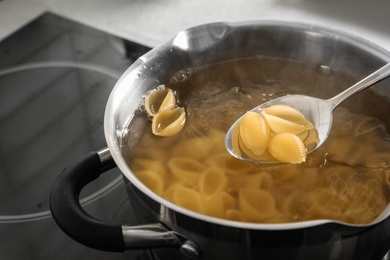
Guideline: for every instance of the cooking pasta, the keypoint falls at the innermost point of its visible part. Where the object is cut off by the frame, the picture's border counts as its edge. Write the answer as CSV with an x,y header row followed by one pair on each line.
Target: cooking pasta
x,y
168,122
222,186
211,182
160,99
278,132
167,119
346,179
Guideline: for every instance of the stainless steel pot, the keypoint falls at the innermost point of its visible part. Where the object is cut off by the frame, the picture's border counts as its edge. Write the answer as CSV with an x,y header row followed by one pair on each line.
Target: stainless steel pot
x,y
174,232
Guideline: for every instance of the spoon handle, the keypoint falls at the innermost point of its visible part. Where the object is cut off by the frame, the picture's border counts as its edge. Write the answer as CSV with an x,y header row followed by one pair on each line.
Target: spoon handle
x,y
368,81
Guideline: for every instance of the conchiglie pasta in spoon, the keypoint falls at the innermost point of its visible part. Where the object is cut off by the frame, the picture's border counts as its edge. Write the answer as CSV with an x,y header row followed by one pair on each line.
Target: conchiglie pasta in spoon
x,y
286,129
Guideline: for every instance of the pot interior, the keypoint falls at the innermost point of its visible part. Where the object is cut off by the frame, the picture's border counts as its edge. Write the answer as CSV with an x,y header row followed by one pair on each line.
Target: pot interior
x,y
275,58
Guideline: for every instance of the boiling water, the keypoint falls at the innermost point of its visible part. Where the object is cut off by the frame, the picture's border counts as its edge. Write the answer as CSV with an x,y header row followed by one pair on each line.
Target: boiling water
x,y
347,179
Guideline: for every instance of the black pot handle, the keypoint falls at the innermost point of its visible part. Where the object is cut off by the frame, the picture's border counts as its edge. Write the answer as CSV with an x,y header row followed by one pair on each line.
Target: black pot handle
x,y
95,233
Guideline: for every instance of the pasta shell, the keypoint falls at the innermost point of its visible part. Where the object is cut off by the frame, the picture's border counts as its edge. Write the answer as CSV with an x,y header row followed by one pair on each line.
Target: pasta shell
x,y
254,133
281,125
238,181
169,122
219,160
217,140
256,204
215,206
228,200
303,135
188,198
288,148
235,140
316,159
158,100
148,154
148,164
196,148
246,151
152,180
168,191
234,214
265,181
186,169
229,164
288,113
212,181
311,140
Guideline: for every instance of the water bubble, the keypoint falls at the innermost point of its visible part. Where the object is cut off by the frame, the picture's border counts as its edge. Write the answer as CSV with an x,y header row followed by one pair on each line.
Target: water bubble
x,y
181,76
324,70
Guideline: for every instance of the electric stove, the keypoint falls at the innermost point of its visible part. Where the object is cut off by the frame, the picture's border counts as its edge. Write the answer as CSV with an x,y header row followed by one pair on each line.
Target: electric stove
x,y
55,78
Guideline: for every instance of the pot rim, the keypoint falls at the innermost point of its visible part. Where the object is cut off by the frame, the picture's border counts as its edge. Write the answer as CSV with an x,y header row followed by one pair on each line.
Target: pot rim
x,y
113,136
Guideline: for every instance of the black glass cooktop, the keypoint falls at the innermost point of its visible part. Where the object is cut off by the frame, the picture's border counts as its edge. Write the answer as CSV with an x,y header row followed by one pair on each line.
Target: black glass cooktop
x,y
55,78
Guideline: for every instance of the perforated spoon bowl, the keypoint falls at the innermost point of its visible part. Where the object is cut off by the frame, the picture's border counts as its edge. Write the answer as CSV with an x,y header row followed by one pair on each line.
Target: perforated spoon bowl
x,y
318,111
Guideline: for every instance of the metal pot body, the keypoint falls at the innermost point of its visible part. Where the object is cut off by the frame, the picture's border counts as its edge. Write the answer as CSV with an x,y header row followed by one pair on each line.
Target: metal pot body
x,y
205,237
217,42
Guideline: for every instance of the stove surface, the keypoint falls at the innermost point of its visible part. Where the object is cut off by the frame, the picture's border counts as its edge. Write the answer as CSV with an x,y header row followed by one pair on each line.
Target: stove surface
x,y
55,78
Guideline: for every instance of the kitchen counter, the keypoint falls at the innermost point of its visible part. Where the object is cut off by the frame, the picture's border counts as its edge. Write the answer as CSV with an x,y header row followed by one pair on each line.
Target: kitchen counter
x,y
152,22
